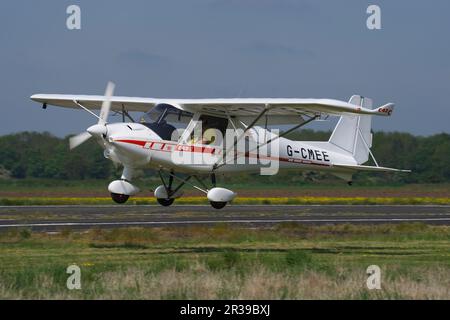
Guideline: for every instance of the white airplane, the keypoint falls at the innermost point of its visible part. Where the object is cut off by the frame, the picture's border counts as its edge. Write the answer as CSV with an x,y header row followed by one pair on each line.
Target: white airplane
x,y
153,142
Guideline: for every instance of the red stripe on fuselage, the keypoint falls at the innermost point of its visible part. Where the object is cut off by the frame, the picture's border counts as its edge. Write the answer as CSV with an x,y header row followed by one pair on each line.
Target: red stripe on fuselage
x,y
198,149
136,142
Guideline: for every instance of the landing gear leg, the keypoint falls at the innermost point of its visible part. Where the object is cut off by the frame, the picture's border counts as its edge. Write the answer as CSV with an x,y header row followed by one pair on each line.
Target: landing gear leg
x,y
213,179
166,194
218,197
166,200
169,190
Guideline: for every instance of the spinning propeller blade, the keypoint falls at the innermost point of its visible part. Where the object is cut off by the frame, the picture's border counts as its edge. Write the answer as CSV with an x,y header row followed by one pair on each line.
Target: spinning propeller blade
x,y
100,127
106,105
78,139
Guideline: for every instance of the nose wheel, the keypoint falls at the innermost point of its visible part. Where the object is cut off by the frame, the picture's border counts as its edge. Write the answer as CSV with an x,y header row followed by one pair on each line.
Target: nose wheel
x,y
119,198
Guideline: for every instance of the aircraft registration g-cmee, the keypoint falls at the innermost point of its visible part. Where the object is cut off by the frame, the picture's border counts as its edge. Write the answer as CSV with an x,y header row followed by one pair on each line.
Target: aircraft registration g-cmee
x,y
204,138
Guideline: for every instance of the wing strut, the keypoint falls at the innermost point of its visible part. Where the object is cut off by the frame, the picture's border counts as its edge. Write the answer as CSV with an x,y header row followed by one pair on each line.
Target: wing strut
x,y
86,109
126,114
217,165
287,132
367,146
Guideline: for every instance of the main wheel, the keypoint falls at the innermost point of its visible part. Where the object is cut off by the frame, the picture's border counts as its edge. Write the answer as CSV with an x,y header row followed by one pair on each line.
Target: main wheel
x,y
119,198
218,205
165,202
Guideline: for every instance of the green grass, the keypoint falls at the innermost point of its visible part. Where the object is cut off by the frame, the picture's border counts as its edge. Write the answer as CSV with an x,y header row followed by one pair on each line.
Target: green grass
x,y
94,192
256,183
289,261
19,201
50,184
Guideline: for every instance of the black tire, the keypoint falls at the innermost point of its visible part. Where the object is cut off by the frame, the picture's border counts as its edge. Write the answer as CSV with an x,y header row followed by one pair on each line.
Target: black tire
x,y
119,198
218,205
165,202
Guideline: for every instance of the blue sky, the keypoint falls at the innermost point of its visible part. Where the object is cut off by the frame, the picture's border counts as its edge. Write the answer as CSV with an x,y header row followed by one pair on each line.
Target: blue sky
x,y
220,48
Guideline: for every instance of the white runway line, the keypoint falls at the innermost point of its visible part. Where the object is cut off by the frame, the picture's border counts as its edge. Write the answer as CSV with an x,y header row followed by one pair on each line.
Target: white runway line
x,y
139,223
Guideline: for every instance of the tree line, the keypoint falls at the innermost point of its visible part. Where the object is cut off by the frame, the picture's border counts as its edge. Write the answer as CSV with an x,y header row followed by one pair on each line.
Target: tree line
x,y
42,155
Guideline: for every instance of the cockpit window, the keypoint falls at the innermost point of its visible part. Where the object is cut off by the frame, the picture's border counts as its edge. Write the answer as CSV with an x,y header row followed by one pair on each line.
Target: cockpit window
x,y
209,130
164,119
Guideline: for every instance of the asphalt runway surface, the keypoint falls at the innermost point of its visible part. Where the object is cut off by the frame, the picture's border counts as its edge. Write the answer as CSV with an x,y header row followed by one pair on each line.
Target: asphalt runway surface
x,y
52,218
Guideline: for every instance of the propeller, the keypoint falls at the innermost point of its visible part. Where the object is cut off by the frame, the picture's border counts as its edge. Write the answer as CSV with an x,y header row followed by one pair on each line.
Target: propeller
x,y
98,129
75,141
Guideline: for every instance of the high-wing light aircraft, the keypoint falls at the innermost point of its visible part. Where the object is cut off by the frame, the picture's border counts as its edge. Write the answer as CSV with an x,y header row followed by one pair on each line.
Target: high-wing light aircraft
x,y
191,137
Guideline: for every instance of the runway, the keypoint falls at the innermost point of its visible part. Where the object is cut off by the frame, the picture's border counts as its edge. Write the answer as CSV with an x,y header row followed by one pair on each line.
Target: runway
x,y
51,218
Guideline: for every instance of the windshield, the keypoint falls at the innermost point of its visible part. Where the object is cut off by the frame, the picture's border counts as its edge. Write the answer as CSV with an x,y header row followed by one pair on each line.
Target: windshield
x,y
164,119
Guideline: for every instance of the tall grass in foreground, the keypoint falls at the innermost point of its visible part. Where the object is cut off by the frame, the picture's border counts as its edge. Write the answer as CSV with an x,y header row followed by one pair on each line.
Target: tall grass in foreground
x,y
200,282
287,261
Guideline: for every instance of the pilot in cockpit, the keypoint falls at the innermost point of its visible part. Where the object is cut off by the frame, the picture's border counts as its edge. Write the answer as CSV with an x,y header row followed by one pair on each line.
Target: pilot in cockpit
x,y
164,119
213,129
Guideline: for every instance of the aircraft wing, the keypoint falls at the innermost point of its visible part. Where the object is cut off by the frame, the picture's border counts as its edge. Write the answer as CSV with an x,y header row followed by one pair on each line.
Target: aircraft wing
x,y
95,102
245,107
281,110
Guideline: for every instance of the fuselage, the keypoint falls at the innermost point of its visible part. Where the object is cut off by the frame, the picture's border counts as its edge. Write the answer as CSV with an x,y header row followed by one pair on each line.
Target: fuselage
x,y
136,145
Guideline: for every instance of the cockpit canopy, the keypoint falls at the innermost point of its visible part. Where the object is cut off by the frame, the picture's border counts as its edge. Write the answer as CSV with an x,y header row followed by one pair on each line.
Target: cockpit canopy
x,y
164,119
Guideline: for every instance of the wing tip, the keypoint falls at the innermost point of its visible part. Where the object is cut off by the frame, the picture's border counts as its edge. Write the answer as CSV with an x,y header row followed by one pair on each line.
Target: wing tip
x,y
38,97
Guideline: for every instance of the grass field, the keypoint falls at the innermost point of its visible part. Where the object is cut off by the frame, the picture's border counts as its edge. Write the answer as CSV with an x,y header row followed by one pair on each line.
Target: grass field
x,y
43,192
18,201
289,261
261,187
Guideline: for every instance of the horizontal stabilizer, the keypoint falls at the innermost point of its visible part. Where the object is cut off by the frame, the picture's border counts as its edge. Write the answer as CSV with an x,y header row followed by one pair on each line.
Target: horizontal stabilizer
x,y
368,168
385,110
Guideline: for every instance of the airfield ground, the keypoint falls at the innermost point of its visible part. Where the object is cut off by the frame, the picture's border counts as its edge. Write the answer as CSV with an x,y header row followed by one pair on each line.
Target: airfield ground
x,y
95,188
283,260
42,192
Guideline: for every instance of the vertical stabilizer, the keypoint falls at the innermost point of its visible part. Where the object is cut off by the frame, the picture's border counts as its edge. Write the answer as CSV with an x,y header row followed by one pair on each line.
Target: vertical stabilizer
x,y
352,133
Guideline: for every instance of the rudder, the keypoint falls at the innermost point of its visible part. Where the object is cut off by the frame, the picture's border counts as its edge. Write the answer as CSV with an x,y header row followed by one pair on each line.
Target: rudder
x,y
352,133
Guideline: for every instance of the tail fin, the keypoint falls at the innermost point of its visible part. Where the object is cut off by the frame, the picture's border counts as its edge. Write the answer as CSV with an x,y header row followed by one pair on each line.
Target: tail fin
x,y
352,133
